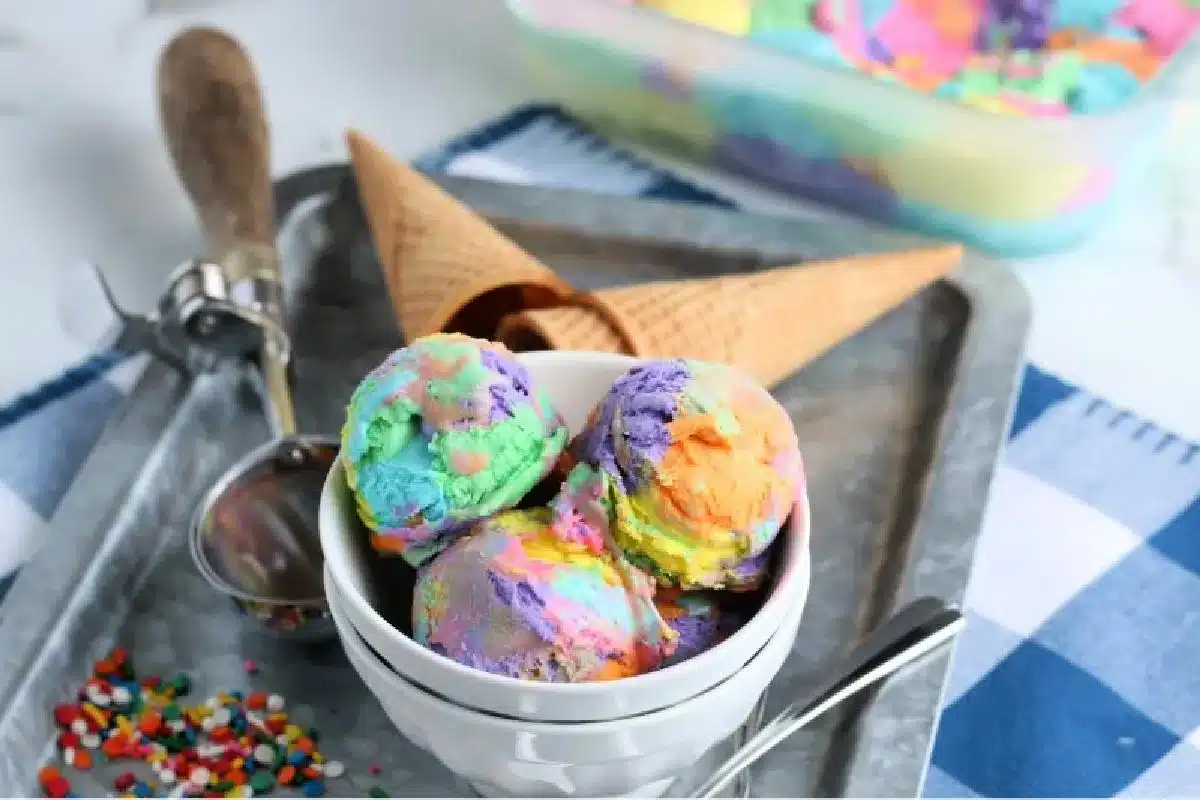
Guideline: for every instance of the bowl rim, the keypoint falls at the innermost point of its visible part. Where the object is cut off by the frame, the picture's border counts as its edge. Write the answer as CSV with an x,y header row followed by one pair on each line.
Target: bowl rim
x,y
471,715
776,605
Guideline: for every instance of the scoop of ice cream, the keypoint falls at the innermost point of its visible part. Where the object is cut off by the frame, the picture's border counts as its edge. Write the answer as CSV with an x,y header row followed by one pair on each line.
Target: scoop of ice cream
x,y
513,599
698,620
691,467
443,433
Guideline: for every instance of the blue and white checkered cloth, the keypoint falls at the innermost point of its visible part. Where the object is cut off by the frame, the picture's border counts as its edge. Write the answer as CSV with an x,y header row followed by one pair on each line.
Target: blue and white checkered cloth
x,y
1079,673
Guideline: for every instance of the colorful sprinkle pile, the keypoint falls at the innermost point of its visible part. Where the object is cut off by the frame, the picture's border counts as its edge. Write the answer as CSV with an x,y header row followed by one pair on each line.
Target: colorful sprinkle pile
x,y
1016,57
234,744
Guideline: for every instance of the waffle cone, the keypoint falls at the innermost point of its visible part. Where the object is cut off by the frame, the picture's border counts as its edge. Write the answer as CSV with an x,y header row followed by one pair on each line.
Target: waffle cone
x,y
769,323
569,327
445,267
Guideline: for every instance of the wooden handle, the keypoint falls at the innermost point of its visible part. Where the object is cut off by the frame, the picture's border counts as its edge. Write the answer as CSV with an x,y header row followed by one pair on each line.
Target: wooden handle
x,y
216,131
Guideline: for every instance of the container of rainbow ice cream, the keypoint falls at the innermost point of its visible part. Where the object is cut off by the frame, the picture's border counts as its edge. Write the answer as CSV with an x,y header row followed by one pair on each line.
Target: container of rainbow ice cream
x,y
443,433
513,599
1016,126
690,468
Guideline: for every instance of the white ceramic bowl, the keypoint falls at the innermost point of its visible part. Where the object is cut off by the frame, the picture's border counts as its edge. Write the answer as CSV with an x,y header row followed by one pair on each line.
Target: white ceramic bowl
x,y
575,381
633,757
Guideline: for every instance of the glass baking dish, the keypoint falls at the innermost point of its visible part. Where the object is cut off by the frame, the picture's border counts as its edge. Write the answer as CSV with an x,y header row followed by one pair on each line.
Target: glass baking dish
x,y
1013,186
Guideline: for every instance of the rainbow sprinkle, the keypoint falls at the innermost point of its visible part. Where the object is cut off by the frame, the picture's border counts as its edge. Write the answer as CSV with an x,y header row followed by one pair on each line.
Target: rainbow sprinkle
x,y
233,744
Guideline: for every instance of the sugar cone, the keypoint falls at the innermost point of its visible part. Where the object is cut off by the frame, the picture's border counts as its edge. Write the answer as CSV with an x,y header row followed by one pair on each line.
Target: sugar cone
x,y
445,267
768,323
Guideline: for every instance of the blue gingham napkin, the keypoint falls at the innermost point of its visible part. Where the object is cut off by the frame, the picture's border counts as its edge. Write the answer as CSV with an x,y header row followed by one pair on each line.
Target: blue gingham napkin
x,y
1079,673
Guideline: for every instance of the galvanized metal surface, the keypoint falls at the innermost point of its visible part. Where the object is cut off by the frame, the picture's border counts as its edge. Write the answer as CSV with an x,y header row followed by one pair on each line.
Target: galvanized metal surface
x,y
901,427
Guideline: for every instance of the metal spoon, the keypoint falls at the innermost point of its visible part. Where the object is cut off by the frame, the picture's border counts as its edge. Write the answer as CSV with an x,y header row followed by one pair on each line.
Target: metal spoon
x,y
742,785
254,538
914,632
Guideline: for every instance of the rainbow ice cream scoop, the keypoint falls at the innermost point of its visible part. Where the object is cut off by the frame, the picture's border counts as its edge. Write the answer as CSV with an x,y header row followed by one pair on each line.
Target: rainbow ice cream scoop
x,y
690,468
444,432
511,598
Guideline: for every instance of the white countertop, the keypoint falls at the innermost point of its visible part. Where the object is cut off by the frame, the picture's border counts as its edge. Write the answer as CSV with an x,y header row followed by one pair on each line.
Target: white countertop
x,y
84,175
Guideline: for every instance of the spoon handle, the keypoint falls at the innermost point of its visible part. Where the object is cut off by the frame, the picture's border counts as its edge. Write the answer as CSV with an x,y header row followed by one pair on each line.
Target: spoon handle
x,y
915,631
215,126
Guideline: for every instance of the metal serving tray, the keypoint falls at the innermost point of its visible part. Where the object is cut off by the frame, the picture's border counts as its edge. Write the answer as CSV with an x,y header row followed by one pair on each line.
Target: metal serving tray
x,y
901,427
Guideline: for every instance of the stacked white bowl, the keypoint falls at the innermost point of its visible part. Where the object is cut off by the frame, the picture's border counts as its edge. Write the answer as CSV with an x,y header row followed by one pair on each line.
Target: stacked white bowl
x,y
517,738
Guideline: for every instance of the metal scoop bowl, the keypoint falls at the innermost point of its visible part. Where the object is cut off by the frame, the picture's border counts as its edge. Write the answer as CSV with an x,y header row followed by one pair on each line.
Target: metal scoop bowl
x,y
250,538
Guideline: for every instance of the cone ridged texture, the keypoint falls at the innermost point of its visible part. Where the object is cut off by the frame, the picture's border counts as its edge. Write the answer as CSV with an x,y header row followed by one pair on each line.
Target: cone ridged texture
x,y
563,328
768,323
445,267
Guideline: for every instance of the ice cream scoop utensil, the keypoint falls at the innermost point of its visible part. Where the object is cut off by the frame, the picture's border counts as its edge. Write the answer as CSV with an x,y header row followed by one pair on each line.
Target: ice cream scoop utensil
x,y
917,630
254,536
